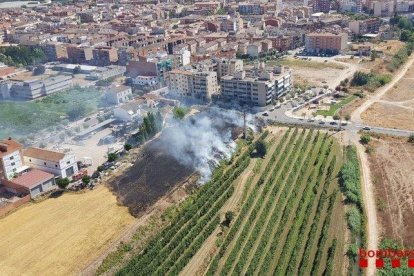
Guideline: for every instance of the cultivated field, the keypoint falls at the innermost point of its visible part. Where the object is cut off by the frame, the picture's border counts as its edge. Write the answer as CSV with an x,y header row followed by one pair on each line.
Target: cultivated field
x,y
392,166
60,236
288,216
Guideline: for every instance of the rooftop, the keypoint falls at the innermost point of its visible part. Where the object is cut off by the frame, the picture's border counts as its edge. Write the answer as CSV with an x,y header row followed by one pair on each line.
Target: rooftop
x,y
32,178
43,154
9,146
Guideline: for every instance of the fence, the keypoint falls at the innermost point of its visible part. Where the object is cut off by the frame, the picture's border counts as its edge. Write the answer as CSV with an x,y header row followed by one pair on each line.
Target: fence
x,y
11,206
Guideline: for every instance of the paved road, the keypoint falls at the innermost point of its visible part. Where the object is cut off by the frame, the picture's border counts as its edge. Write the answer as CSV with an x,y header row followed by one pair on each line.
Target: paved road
x,y
284,115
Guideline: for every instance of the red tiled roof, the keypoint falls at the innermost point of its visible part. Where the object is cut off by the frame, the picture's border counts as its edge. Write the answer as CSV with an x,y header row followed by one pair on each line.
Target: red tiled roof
x,y
32,178
43,154
9,146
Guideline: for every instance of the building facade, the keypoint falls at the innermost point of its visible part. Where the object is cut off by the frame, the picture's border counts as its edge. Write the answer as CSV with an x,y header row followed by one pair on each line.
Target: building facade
x,y
256,88
329,43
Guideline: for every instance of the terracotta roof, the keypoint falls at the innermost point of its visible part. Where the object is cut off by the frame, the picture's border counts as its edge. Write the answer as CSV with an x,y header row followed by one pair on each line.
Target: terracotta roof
x,y
32,178
43,154
9,146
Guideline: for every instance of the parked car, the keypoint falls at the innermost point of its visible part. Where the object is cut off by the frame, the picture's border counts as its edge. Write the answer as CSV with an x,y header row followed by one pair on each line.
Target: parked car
x,y
265,114
366,128
321,122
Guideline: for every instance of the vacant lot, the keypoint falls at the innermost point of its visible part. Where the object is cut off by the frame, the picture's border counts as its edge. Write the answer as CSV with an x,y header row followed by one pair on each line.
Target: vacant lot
x,y
392,164
403,91
388,115
59,236
322,73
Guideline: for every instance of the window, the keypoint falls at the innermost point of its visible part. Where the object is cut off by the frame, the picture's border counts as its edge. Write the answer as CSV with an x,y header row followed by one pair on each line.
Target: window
x,y
56,166
11,157
12,163
44,163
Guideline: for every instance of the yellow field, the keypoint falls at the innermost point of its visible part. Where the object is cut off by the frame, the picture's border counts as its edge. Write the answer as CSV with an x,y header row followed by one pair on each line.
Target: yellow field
x,y
60,236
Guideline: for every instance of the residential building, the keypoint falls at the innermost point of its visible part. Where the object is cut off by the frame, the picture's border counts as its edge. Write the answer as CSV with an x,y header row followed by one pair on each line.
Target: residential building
x,y
58,163
362,27
158,65
79,54
104,56
325,43
18,178
228,66
55,51
256,88
254,49
193,84
11,160
118,94
321,6
103,73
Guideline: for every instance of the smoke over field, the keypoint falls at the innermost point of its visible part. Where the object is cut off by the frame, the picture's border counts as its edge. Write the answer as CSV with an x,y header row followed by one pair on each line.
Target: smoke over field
x,y
195,144
203,140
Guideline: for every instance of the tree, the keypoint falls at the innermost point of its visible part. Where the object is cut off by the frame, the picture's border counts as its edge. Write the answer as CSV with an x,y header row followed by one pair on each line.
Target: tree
x,y
228,217
63,183
336,117
77,70
112,157
86,180
180,112
127,147
405,35
38,70
77,111
261,147
411,139
365,139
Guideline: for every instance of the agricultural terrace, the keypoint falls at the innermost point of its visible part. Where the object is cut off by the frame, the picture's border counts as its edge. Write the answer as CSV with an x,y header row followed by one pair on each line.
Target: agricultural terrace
x,y
283,222
24,118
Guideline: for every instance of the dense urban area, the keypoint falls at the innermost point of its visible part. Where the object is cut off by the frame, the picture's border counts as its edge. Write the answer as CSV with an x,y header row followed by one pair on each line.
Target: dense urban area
x,y
257,137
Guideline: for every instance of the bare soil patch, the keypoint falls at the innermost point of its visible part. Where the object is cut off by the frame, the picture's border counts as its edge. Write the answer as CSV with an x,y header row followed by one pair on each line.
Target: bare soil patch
x,y
392,164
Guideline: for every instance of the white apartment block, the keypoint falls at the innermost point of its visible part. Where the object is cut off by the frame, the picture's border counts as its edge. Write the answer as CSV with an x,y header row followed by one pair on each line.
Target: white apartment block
x,y
118,94
193,84
10,159
57,163
256,88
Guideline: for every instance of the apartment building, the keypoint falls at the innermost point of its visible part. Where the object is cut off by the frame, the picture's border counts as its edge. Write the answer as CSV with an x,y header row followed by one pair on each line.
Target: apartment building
x,y
79,55
55,51
57,163
228,66
321,6
256,88
330,43
193,84
362,27
104,56
10,159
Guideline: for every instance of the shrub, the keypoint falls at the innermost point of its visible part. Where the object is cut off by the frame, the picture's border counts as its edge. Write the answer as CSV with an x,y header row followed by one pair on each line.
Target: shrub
x,y
127,147
411,139
63,183
365,139
261,147
112,157
354,220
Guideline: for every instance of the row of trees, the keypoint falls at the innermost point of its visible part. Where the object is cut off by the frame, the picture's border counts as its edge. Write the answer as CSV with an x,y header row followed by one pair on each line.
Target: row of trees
x,y
150,126
249,203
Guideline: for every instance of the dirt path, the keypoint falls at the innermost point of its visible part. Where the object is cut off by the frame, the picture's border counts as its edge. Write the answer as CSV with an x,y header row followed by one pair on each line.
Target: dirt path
x,y
369,204
356,115
196,262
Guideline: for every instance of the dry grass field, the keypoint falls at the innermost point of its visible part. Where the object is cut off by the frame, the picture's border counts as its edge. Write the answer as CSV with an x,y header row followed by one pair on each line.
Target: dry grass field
x,y
60,236
391,116
392,165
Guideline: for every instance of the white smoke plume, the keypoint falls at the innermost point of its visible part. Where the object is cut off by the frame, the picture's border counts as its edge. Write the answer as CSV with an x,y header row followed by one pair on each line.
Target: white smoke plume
x,y
202,140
